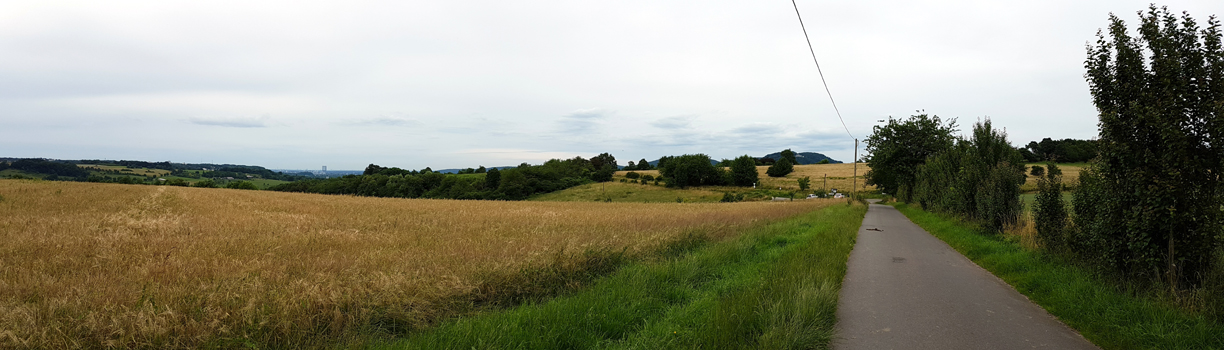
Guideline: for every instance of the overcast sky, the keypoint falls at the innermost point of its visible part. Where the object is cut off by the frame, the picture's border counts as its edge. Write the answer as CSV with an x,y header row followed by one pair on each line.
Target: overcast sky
x,y
449,84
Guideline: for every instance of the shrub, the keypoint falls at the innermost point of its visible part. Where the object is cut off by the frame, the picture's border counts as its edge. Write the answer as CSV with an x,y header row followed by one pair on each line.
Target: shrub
x,y
633,175
205,184
979,178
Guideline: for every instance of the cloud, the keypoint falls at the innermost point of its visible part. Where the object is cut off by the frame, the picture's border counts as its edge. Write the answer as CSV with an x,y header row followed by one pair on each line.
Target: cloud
x,y
583,120
232,122
386,121
673,123
759,129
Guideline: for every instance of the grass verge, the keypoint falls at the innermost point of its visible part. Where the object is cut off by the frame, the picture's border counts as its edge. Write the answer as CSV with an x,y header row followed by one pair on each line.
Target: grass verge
x,y
775,287
1109,316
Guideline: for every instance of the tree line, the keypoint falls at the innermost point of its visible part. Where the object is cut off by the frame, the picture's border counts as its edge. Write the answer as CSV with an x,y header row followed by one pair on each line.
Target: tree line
x,y
510,184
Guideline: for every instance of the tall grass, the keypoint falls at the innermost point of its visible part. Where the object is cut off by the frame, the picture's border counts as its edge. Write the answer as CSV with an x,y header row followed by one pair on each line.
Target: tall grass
x,y
776,287
86,265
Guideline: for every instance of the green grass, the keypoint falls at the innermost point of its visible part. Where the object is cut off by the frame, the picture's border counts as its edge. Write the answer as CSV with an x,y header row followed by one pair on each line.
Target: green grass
x,y
1103,312
775,287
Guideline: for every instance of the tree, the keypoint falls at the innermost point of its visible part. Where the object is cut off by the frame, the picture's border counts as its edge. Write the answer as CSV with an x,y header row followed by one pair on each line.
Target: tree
x,y
631,166
805,183
644,165
895,151
789,155
604,165
1039,171
824,161
1149,205
780,169
743,171
372,169
492,179
690,170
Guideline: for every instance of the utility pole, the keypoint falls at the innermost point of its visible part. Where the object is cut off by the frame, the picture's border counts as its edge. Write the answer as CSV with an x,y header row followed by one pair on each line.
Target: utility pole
x,y
854,187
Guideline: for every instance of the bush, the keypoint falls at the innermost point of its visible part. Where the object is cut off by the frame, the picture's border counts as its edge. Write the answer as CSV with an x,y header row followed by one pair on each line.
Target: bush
x,y
729,197
647,177
205,184
978,178
632,175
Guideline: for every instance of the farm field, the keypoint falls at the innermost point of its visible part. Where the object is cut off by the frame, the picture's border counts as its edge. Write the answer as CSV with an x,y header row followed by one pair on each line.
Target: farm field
x,y
1070,175
840,176
109,265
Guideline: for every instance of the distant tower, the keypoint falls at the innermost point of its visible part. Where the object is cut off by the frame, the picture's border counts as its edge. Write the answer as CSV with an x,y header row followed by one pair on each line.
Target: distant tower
x,y
324,173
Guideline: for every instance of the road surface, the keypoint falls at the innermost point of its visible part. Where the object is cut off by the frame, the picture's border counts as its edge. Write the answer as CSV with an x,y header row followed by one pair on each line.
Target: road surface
x,y
906,289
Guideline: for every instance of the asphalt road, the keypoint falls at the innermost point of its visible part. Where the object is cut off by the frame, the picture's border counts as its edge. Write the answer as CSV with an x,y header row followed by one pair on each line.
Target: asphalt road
x,y
906,289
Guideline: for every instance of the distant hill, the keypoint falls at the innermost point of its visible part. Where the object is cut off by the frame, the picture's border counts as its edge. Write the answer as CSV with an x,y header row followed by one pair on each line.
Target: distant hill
x,y
804,158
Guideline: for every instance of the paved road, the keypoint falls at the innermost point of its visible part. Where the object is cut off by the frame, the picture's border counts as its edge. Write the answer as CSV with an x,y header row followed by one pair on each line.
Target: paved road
x,y
906,289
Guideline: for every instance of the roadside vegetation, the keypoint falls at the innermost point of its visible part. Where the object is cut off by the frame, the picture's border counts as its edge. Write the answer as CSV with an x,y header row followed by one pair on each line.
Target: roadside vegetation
x,y
1134,257
108,265
774,287
1111,315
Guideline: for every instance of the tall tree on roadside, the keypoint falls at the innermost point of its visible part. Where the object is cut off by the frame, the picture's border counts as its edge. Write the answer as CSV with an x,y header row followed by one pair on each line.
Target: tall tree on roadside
x,y
1149,206
895,150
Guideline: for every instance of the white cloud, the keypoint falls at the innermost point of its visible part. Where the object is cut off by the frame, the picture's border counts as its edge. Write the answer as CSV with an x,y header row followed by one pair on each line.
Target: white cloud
x,y
724,78
233,122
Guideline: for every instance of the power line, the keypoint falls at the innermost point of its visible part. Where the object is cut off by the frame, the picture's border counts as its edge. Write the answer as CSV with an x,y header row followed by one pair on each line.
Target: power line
x,y
822,78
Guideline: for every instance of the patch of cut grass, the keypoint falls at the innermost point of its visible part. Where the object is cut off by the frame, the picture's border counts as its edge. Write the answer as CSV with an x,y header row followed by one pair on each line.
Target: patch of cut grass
x,y
1106,314
775,287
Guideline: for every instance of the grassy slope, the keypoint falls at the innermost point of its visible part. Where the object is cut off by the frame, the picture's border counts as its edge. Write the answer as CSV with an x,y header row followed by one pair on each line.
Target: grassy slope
x,y
1106,315
776,287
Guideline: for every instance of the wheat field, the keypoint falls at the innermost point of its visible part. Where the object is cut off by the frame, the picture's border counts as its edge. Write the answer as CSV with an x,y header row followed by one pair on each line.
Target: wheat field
x,y
839,176
86,265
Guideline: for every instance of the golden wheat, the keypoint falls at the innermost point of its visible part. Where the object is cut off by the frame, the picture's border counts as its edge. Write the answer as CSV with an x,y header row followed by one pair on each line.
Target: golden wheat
x,y
108,265
839,176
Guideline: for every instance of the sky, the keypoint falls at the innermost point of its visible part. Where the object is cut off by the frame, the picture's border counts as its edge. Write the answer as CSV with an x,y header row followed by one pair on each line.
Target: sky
x,y
450,84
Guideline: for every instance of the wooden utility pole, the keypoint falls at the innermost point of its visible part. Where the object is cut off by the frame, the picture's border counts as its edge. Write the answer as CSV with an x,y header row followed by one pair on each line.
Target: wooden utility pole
x,y
854,187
